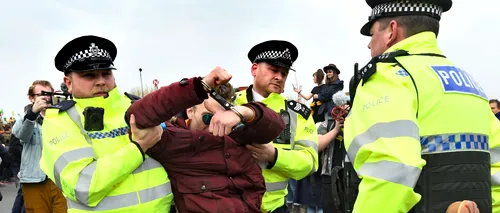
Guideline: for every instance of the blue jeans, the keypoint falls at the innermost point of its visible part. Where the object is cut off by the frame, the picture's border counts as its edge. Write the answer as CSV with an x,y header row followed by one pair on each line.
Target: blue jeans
x,y
292,185
19,202
312,209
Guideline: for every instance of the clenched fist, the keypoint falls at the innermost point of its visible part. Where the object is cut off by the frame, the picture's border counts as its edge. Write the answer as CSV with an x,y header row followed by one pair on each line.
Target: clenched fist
x,y
217,77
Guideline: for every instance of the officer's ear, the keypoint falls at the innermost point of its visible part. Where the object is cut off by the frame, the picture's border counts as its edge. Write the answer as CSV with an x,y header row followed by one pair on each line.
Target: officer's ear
x,y
68,80
395,33
254,69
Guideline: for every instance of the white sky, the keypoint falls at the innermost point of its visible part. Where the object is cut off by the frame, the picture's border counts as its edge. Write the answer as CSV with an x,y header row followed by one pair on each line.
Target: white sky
x,y
174,39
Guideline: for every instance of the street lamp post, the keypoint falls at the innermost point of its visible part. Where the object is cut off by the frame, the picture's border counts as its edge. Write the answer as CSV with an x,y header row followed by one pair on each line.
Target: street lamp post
x,y
142,90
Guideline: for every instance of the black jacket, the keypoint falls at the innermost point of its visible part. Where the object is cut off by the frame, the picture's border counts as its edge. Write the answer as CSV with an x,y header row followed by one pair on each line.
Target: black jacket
x,y
325,96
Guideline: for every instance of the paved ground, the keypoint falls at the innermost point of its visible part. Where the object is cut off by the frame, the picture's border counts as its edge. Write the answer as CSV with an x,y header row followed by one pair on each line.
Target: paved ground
x,y
9,193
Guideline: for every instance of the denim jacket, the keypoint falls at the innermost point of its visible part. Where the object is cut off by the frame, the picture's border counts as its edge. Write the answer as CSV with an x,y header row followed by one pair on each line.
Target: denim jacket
x,y
29,133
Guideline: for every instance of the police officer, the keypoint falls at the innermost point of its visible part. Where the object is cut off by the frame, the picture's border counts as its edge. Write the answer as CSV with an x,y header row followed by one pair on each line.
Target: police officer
x,y
294,154
419,129
87,150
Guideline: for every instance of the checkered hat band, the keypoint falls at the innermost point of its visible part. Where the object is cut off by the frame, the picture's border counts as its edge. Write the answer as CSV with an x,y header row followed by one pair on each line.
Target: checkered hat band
x,y
406,7
85,54
273,55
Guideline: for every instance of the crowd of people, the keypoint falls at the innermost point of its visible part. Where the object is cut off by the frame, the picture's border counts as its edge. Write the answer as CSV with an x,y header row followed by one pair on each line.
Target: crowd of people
x,y
9,152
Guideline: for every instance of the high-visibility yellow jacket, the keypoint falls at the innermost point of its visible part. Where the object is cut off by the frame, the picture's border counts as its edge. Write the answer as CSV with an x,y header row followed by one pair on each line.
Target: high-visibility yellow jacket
x,y
103,172
419,123
296,158
494,144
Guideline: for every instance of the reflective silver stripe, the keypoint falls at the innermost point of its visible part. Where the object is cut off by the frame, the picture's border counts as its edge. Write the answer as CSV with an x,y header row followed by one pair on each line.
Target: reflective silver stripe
x,y
68,157
390,171
75,117
148,164
495,179
394,129
308,143
125,200
82,187
495,155
270,187
154,193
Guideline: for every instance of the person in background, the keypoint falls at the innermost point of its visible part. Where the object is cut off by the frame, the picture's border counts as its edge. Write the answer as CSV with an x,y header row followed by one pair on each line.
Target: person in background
x,y
318,77
18,206
271,61
41,195
332,85
495,107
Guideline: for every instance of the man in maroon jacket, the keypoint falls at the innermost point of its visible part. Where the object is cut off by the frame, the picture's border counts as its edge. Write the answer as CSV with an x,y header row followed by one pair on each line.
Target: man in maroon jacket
x,y
207,162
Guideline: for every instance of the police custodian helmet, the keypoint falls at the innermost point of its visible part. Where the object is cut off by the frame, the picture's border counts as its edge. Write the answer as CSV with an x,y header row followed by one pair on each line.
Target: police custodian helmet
x,y
392,8
275,52
86,53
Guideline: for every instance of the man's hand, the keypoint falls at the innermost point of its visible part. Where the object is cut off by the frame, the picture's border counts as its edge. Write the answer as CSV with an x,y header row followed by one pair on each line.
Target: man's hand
x,y
40,104
315,96
217,77
262,152
339,124
222,122
146,138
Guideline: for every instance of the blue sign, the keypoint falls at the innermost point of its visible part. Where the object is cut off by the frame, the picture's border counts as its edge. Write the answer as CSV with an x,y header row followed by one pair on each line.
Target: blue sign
x,y
456,80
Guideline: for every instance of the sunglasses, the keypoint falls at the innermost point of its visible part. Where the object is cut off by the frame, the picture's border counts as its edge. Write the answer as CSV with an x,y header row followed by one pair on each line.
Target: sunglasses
x,y
207,117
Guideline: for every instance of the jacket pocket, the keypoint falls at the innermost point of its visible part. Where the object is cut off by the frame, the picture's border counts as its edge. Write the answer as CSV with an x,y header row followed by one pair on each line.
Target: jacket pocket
x,y
200,194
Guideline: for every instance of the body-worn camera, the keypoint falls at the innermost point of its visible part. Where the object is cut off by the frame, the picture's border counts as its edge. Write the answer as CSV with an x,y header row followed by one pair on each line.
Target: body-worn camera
x,y
94,119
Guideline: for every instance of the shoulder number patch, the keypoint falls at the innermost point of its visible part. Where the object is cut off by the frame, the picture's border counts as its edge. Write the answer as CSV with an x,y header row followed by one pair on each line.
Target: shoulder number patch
x,y
456,80
299,108
63,105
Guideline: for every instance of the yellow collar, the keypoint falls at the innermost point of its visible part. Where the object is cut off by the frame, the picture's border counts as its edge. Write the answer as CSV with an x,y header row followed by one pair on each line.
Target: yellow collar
x,y
114,97
424,42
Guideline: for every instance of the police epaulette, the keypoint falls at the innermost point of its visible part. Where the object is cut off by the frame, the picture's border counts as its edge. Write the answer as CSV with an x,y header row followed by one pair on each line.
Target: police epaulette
x,y
132,97
297,107
63,105
367,71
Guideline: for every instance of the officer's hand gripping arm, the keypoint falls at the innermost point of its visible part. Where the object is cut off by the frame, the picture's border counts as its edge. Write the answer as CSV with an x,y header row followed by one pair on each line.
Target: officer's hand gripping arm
x,y
266,126
385,146
305,154
72,164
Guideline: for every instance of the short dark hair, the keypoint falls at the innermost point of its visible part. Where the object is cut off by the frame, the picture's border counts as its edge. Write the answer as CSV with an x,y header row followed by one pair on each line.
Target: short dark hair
x,y
320,75
39,82
496,102
413,24
226,91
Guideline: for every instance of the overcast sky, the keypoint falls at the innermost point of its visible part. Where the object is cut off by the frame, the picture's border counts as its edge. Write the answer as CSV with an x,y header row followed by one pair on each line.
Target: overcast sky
x,y
173,39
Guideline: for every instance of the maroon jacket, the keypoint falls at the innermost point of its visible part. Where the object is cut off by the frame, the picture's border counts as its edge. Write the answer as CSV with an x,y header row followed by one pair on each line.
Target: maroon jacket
x,y
207,173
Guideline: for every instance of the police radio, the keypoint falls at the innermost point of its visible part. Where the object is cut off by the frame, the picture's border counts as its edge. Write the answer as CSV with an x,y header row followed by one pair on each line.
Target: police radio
x,y
285,135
